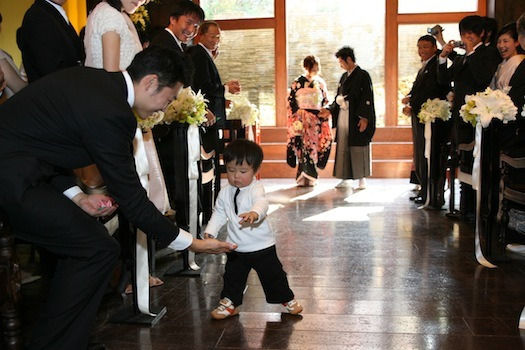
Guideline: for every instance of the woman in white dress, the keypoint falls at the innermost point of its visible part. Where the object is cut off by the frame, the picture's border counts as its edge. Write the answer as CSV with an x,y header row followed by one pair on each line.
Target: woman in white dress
x,y
111,42
111,39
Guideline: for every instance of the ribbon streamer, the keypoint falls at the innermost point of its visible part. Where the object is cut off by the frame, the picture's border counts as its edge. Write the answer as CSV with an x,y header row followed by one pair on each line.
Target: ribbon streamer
x,y
428,148
476,185
476,176
251,136
522,319
141,246
194,154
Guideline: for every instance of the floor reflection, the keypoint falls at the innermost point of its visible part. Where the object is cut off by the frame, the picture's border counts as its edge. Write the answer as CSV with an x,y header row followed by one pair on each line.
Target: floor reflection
x,y
371,270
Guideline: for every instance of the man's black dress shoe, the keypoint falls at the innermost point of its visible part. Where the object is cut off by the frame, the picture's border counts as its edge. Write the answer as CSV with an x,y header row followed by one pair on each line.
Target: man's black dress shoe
x,y
420,200
96,346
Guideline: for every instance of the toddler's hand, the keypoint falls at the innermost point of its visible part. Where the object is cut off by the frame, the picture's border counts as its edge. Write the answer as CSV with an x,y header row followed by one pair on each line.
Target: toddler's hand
x,y
249,218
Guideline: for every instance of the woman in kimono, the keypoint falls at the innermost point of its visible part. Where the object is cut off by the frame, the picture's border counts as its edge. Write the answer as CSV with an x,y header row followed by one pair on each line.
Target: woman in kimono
x,y
510,77
309,134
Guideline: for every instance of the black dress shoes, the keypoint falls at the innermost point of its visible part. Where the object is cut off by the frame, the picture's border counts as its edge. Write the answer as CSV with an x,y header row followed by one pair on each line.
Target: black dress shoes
x,y
96,346
420,200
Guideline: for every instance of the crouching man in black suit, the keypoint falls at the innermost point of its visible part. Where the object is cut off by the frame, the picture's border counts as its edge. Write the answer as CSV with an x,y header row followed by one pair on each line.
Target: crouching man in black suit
x,y
70,119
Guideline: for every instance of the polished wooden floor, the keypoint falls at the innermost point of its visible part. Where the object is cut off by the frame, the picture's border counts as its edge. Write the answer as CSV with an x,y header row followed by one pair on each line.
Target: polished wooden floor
x,y
371,270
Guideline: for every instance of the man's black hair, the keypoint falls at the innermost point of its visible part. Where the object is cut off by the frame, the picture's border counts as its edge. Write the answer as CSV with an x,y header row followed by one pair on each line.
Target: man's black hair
x,y
428,38
169,65
345,52
185,8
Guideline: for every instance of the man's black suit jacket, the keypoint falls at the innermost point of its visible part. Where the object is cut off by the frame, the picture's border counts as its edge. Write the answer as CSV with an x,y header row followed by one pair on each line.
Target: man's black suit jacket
x,y
426,86
172,147
470,74
206,78
166,40
68,120
358,91
48,44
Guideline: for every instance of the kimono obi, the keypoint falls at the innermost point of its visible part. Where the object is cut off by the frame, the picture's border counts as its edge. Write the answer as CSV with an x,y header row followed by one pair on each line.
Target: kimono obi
x,y
309,98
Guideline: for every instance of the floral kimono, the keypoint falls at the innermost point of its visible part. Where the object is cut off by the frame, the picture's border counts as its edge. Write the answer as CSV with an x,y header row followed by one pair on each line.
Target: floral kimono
x,y
309,136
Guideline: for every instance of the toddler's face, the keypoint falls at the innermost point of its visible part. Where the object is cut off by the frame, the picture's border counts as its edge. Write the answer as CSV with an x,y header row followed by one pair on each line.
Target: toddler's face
x,y
239,175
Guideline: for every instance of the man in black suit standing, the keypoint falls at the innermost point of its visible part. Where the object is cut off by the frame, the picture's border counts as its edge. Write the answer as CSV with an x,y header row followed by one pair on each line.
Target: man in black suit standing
x,y
426,86
171,141
73,118
185,19
206,79
47,40
470,73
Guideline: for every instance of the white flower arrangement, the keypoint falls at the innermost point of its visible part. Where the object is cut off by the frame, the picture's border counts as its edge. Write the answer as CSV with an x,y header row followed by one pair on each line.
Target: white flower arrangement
x,y
150,121
487,105
243,110
189,107
434,109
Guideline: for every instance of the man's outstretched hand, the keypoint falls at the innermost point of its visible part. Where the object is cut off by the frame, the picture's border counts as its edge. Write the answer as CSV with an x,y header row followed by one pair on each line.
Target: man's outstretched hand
x,y
211,246
97,205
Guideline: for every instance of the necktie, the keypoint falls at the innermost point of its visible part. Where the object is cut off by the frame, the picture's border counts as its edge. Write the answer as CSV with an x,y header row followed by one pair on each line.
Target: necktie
x,y
420,71
235,200
183,47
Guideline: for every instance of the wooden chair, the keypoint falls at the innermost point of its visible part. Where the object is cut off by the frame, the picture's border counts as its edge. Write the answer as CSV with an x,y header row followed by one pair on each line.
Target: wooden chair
x,y
461,176
10,282
232,131
511,192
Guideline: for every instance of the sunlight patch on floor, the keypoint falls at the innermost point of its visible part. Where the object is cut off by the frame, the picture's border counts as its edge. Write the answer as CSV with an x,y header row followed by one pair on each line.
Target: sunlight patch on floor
x,y
274,207
315,192
346,214
378,194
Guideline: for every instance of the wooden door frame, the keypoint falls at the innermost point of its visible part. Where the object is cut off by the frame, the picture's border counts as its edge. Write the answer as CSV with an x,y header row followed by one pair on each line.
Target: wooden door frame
x,y
392,21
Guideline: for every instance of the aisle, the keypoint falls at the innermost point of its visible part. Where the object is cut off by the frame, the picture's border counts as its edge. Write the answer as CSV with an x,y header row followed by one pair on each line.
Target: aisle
x,y
371,270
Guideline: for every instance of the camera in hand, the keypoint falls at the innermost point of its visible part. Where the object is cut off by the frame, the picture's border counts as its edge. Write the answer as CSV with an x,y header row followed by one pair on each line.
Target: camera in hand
x,y
458,43
435,30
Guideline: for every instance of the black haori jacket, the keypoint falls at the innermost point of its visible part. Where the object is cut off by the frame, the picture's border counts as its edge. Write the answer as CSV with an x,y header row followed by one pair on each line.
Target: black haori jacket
x,y
358,92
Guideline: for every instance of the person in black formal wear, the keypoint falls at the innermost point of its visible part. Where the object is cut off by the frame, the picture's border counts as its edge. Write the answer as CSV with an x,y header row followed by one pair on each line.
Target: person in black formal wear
x,y
206,79
171,141
3,83
47,40
354,118
470,73
491,31
426,86
48,43
68,120
184,21
510,76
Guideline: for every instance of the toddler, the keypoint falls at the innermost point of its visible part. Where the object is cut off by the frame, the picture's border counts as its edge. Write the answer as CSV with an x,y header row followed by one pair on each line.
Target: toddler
x,y
242,204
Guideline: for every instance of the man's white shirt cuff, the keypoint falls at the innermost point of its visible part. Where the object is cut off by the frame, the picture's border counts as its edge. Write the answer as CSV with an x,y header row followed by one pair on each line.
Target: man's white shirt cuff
x,y
183,241
72,192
